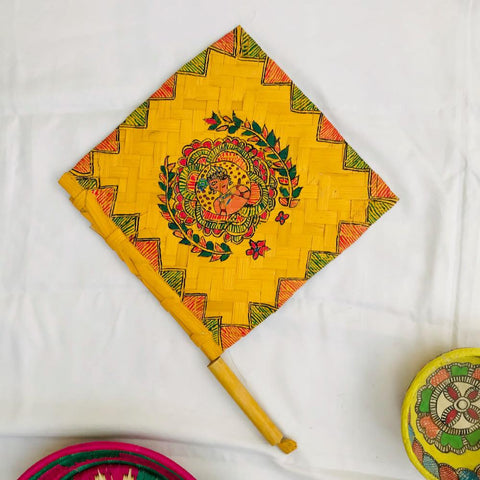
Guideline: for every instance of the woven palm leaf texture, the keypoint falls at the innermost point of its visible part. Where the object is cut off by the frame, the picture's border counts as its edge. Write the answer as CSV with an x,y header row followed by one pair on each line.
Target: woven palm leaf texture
x,y
226,190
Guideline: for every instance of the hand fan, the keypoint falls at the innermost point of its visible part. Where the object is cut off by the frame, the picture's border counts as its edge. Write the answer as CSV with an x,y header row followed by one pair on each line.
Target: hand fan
x,y
224,192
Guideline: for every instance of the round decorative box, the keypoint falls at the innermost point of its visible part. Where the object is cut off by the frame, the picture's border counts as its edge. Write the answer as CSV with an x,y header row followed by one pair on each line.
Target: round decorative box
x,y
106,461
441,417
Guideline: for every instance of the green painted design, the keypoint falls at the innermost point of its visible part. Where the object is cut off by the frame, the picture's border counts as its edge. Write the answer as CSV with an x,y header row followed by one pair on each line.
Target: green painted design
x,y
97,457
73,459
258,312
249,48
154,475
142,475
88,183
432,466
213,325
196,66
425,403
318,260
376,208
353,161
175,279
451,402
473,438
454,441
300,102
138,118
458,371
128,224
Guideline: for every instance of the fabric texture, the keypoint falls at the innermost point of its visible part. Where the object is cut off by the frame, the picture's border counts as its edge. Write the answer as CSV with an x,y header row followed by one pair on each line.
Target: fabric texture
x,y
87,353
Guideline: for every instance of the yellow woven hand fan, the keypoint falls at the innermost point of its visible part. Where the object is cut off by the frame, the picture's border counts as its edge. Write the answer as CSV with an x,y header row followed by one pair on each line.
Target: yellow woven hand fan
x,y
224,192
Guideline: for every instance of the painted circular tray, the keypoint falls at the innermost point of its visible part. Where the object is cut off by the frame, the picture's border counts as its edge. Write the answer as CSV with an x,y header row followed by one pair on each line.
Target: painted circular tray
x,y
106,461
441,417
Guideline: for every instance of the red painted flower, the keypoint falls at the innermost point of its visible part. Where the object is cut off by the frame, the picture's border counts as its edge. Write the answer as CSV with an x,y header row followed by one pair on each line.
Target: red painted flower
x,y
281,217
257,249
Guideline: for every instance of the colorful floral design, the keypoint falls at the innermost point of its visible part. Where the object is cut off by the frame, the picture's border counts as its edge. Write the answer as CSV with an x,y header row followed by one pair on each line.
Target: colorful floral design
x,y
441,471
281,217
448,408
257,249
224,188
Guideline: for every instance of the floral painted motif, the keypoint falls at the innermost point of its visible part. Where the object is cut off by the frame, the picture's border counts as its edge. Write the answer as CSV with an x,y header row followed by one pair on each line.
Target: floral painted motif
x,y
225,188
441,471
448,408
281,217
257,249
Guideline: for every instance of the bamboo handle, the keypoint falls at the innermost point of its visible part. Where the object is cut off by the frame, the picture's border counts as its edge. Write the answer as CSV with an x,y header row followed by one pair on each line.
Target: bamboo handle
x,y
140,266
250,407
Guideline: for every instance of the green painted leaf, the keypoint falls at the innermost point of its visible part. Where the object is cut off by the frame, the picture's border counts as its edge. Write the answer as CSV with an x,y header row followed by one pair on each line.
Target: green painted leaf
x,y
213,126
216,117
173,226
237,121
204,253
293,172
284,153
271,139
196,237
284,191
247,133
425,402
163,169
256,127
283,172
171,176
296,192
474,437
163,207
459,371
162,186
210,245
225,247
271,155
454,441
261,143
232,129
224,257
185,241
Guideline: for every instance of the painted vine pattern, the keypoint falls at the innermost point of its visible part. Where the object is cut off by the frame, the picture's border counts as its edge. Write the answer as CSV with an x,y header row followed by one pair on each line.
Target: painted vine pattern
x,y
270,144
213,250
277,158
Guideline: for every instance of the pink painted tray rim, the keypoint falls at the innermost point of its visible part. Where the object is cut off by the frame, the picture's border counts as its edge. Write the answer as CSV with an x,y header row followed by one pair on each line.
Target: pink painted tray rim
x,y
105,445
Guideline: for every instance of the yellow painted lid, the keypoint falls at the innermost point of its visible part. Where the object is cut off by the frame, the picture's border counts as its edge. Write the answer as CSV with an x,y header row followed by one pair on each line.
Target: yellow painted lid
x,y
441,417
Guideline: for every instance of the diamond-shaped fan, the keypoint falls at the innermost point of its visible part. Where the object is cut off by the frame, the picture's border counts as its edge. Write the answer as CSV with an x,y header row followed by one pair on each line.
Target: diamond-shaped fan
x,y
224,192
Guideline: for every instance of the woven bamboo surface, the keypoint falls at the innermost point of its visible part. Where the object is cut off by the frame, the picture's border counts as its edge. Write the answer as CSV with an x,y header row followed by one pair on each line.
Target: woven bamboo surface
x,y
317,200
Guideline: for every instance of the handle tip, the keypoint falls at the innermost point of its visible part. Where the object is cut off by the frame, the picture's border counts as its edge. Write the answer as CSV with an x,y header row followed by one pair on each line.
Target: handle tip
x,y
287,445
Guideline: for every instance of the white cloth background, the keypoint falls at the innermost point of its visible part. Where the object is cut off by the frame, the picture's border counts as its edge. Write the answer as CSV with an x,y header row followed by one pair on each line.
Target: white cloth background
x,y
86,352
